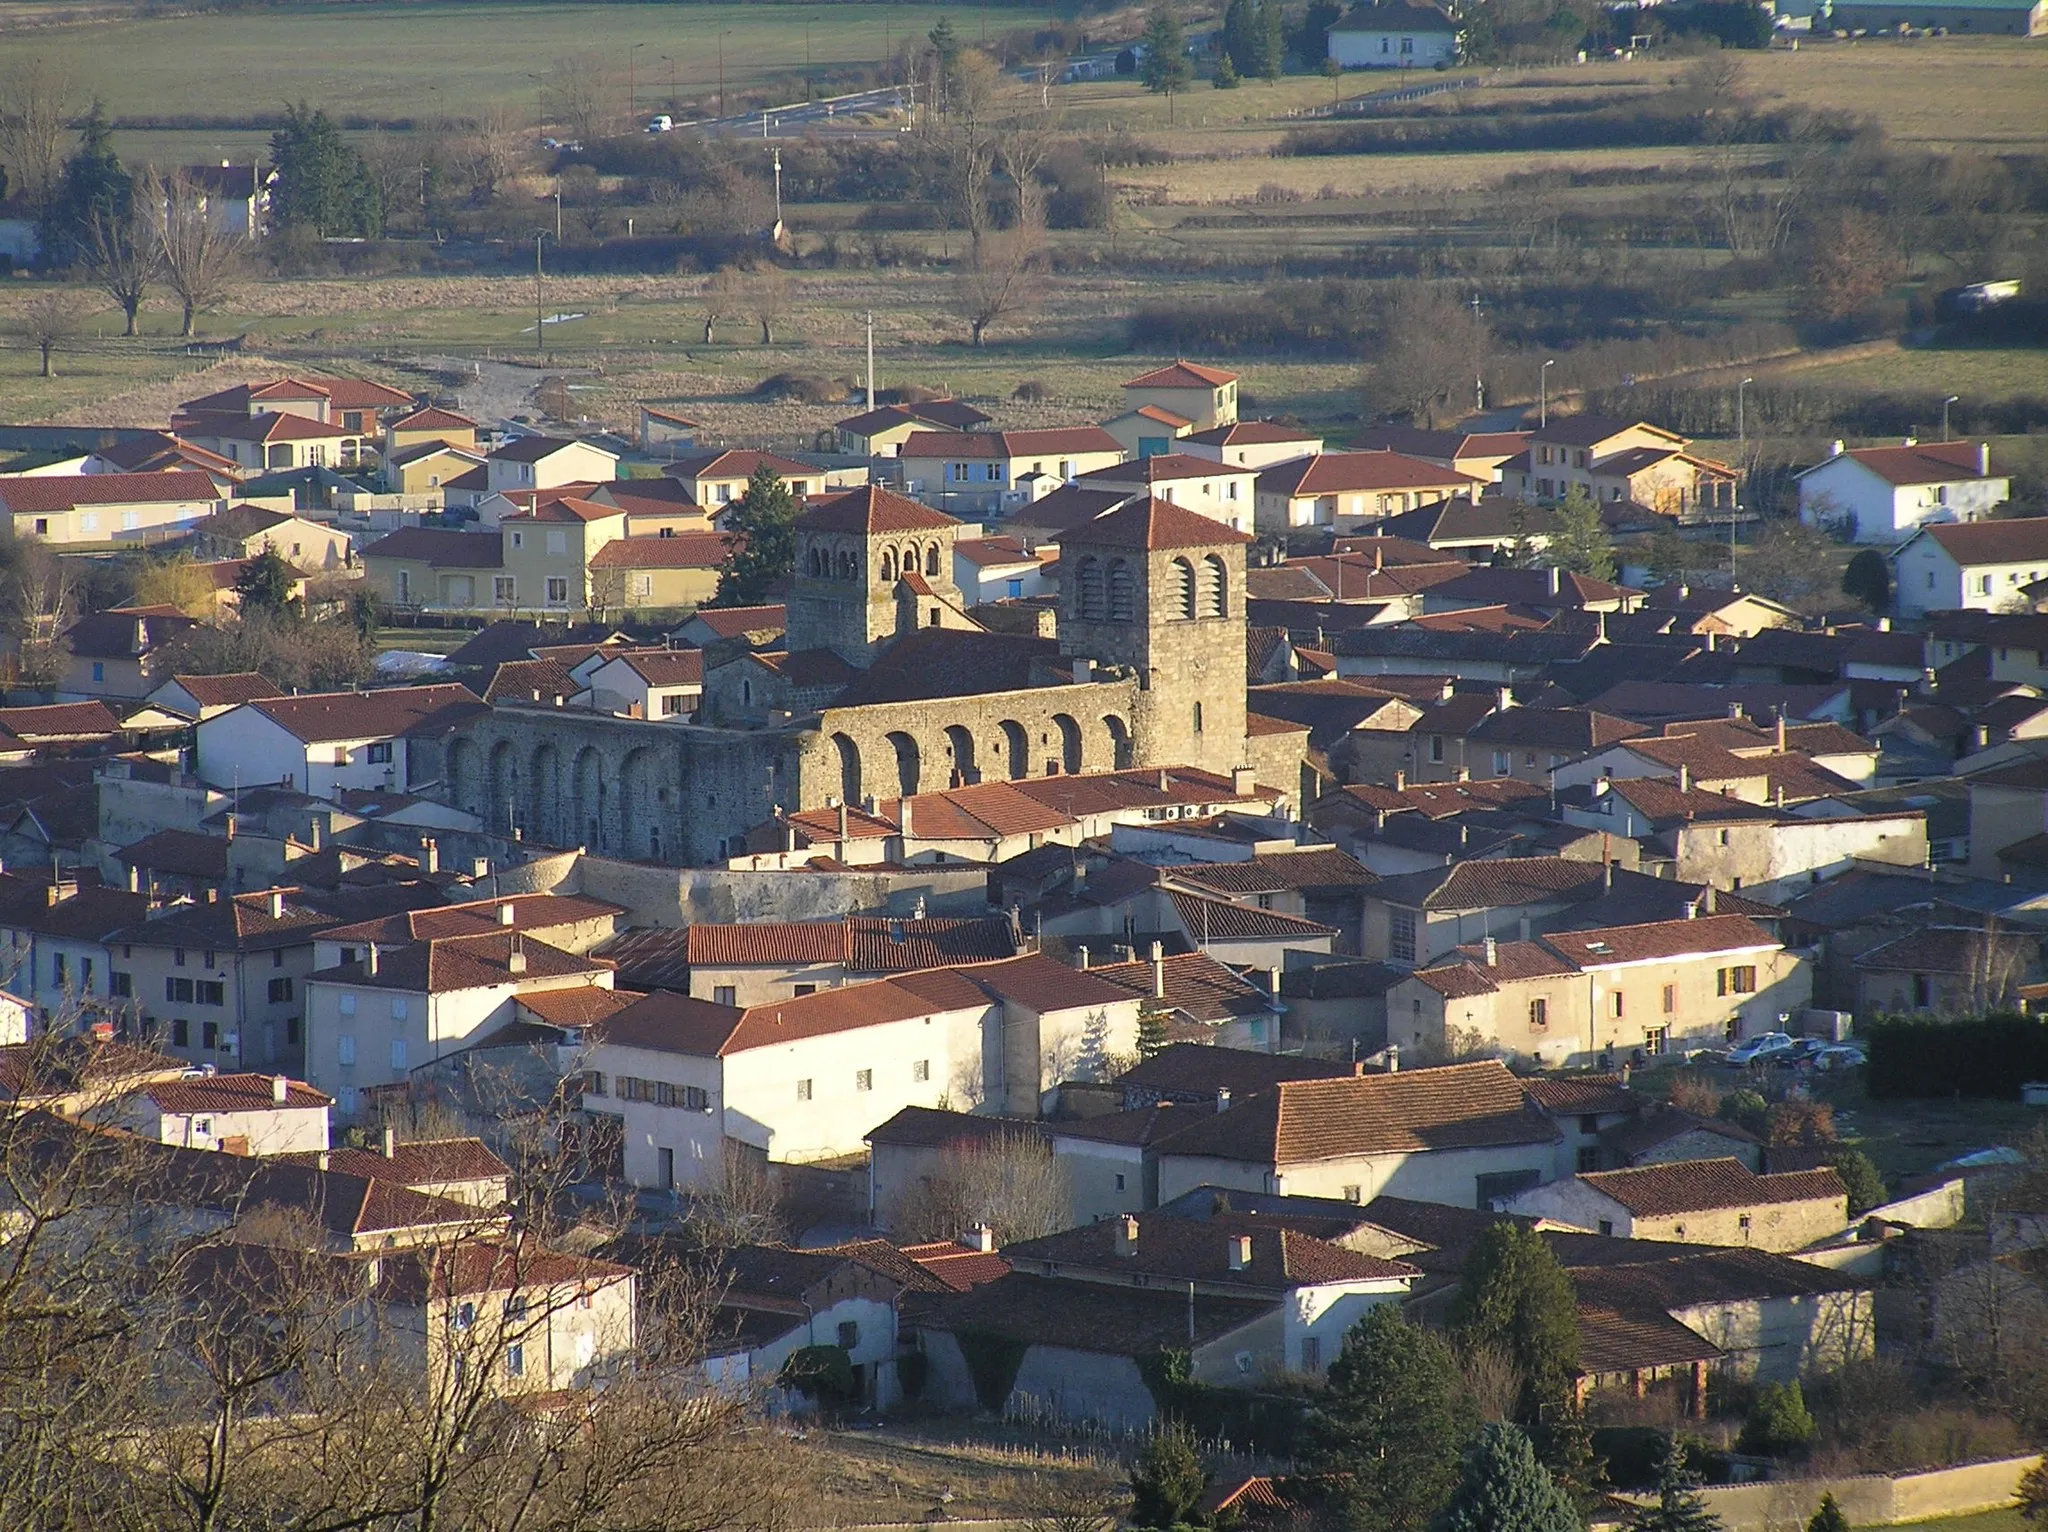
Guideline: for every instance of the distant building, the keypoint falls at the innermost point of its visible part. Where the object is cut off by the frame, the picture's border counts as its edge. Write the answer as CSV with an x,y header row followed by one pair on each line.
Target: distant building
x,y
1883,493
1395,34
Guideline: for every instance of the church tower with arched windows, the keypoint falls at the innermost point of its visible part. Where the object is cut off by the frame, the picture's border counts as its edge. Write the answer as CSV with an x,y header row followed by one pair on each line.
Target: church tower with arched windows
x,y
870,566
1159,589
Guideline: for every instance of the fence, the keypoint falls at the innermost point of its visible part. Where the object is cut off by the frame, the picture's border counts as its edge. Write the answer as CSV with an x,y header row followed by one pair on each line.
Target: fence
x,y
1879,1500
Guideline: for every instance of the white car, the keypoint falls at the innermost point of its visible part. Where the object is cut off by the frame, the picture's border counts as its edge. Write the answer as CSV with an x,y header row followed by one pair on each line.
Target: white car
x,y
1839,1056
1755,1050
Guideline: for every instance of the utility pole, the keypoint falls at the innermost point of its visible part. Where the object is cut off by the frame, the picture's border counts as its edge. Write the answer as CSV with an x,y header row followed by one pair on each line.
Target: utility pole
x,y
778,188
721,74
1741,419
871,359
1479,382
632,95
558,210
540,318
1951,399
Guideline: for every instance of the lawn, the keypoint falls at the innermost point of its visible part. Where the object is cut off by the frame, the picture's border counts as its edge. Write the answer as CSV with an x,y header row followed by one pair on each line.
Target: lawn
x,y
1910,1138
1978,374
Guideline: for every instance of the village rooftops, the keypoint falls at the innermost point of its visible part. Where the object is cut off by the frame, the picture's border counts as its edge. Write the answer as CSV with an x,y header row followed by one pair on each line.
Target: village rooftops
x,y
1698,1186
1150,525
1331,473
566,508
2010,541
441,966
1182,374
734,463
1199,1071
1005,445
433,418
858,943
425,1162
321,717
1224,1252
1457,1106
1193,984
479,917
235,1093
950,413
1252,433
40,494
440,548
1159,468
1481,969
870,508
1919,463
341,393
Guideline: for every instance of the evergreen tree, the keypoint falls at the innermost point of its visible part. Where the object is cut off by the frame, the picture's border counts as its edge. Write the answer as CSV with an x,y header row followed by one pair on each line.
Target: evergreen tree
x,y
1565,1445
1504,1489
1152,1034
1579,543
1312,41
1226,73
1680,1506
322,182
95,185
1239,39
1779,1421
1866,1186
1514,1297
1165,68
1868,579
1272,36
1829,1517
1387,1432
1167,1480
265,584
762,526
946,47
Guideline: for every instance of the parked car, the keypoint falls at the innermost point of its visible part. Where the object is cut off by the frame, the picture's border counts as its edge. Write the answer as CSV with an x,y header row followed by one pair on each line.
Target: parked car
x,y
1802,1049
1839,1056
1759,1049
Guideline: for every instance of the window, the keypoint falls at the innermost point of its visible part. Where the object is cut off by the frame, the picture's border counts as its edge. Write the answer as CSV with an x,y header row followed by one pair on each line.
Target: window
x,y
1589,1158
643,585
280,989
276,957
1589,1122
803,1090
210,992
504,589
558,542
1198,718
1653,1041
379,754
59,970
801,990
1618,1004
181,1035
99,671
1539,1013
864,1079
722,994
921,1071
1013,589
120,985
1401,935
400,1008
1351,1194
1436,747
849,1334
88,521
1923,992
346,1005
1311,1353
178,956
519,539
1733,1031
1736,981
1670,999
202,1126
291,1029
345,1051
558,590
209,1035
1502,761
1119,1183
178,991
465,1316
1607,1226
398,1053
1742,1222
208,960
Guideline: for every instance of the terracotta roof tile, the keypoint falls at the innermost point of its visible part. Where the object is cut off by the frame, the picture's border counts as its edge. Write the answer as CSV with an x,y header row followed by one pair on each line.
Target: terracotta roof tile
x,y
871,508
1199,1069
1925,463
1330,473
234,1093
1571,1095
1180,373
1698,1186
388,713
1203,1250
227,690
1194,984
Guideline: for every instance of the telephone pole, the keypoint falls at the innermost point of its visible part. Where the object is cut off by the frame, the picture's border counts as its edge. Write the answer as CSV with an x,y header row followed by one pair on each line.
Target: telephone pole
x,y
871,359
540,319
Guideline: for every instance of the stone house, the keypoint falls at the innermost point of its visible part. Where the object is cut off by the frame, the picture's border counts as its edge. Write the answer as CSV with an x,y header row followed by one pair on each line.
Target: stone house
x,y
324,742
774,1302
1946,970
1700,1202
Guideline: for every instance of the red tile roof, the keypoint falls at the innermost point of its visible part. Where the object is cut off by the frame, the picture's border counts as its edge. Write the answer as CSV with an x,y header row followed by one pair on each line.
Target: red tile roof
x,y
860,943
1194,984
423,1162
1006,445
1182,374
684,550
1926,463
434,419
871,508
1698,1186
41,494
234,1093
1160,468
566,508
738,465
1330,473
227,690
477,917
2015,541
1205,1250
463,962
389,713
1151,525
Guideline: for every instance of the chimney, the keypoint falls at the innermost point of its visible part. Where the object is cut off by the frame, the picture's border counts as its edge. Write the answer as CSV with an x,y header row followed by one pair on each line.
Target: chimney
x,y
480,868
917,909
843,828
140,640
1835,448
134,880
1164,784
1127,1235
981,1239
1607,874
1554,582
280,1089
1464,835
430,855
1082,953
1158,971
1523,927
507,915
276,904
869,804
1692,909
1709,636
1781,731
1884,624
1464,773
1084,670
314,835
1273,982
370,959
1735,712
229,827
1400,781
390,1143
322,1160
903,817
1983,460
1981,736
1242,781
1505,700
1393,1058
1222,1098
1240,1251
1492,950
1684,778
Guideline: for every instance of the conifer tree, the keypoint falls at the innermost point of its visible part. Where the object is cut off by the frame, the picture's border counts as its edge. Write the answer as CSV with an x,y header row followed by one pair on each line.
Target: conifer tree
x,y
762,527
1504,1489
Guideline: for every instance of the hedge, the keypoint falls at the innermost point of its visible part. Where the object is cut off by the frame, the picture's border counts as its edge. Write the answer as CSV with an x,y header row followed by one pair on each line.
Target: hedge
x,y
1987,1057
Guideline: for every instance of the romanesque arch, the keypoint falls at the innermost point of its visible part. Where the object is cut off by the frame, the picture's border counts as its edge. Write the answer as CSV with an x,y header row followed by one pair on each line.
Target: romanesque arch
x,y
960,746
544,787
931,560
1070,742
1180,590
1215,592
638,806
849,768
1119,742
1016,749
503,817
465,775
587,798
888,567
908,766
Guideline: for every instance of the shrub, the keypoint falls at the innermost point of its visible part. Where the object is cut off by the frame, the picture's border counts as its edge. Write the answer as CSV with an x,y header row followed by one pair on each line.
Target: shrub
x,y
1779,1422
1746,1109
1030,391
1985,1057
803,387
1167,1481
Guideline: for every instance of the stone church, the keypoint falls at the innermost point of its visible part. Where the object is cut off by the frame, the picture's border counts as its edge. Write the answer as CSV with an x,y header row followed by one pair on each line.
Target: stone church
x,y
888,686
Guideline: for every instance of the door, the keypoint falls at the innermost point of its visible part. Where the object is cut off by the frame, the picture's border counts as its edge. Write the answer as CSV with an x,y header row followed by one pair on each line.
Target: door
x,y
665,1169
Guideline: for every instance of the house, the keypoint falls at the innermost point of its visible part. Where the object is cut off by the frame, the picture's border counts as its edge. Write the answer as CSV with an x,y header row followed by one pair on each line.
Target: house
x,y
116,655
370,1022
547,553
461,1170
1253,444
1974,565
1462,1134
356,405
990,569
108,509
323,742
78,1074
234,198
659,573
197,697
1476,530
1192,995
1574,998
428,466
774,1302
1394,34
282,441
649,683
1418,918
2008,18
718,478
806,1078
1947,970
1221,491
256,1114
1206,396
55,940
435,568
654,507
220,982
1199,1075
987,472
751,627
881,432
1148,430
547,462
243,531
1880,494
760,962
665,432
1621,462
1479,454
1344,490
164,452
1724,613
429,426
1700,1202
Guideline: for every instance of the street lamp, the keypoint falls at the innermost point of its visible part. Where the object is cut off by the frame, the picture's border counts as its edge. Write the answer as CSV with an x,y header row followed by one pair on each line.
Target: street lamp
x,y
632,80
671,81
1951,399
721,71
1543,392
1740,432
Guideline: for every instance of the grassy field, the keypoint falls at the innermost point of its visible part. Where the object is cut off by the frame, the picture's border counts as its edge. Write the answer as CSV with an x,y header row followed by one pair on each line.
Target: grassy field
x,y
1974,374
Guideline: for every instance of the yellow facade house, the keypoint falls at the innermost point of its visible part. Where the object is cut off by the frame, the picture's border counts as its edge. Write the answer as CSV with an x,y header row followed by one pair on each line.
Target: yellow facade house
x,y
1204,396
547,553
662,573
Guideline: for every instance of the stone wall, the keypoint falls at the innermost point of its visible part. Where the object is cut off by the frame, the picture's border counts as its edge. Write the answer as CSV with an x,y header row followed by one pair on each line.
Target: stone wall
x,y
667,896
1868,1499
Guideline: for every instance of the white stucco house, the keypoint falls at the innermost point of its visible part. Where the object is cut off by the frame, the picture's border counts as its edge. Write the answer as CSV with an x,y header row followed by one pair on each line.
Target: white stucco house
x,y
324,742
1395,34
254,1114
1980,566
1883,493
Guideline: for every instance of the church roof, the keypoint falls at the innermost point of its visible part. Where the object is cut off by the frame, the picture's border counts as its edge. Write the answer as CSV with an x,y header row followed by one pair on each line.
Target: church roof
x,y
870,509
1152,525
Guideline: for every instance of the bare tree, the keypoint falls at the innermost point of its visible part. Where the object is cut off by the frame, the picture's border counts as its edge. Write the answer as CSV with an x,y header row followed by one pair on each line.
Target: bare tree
x,y
41,600
126,257
38,100
489,153
725,296
1001,278
580,94
1022,149
742,1207
768,295
1432,349
1011,1183
201,256
50,319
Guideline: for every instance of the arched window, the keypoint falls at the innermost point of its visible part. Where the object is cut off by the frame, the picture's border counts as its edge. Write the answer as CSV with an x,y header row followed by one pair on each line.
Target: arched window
x,y
1088,589
814,562
888,567
1198,718
1123,592
1215,588
931,560
1180,590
